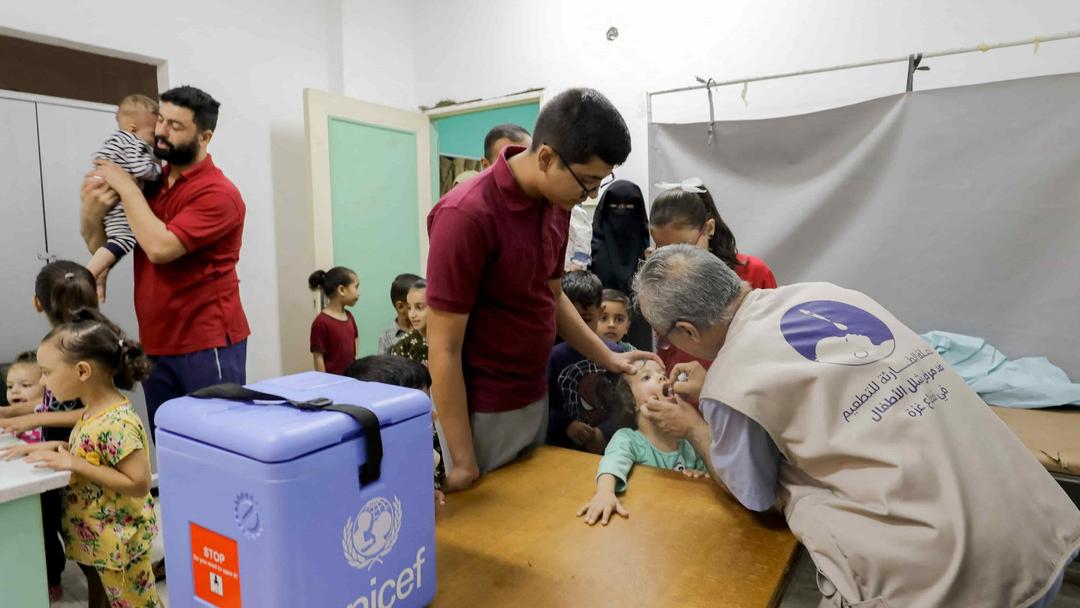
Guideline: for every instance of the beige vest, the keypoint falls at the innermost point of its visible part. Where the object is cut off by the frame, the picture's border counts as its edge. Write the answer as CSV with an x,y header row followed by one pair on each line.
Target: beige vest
x,y
902,484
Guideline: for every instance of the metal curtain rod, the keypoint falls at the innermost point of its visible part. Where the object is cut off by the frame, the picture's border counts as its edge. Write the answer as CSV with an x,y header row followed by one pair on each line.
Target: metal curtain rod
x,y
982,48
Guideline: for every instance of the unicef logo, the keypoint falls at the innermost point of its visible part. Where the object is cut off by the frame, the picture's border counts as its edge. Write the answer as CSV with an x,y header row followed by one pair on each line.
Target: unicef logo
x,y
833,332
371,535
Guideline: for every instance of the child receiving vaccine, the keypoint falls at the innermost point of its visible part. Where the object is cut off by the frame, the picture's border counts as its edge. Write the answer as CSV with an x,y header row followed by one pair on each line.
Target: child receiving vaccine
x,y
647,444
334,332
414,345
108,520
25,392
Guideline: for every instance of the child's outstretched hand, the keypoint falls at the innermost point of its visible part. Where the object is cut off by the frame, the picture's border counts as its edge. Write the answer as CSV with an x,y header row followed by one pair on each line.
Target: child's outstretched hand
x,y
59,460
694,473
601,508
678,419
17,425
22,449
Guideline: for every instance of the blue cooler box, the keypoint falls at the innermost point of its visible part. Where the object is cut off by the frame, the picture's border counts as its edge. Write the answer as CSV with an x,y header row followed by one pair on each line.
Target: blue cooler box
x,y
262,505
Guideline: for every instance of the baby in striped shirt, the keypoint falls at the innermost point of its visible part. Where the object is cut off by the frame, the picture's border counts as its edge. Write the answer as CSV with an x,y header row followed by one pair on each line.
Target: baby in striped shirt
x,y
131,147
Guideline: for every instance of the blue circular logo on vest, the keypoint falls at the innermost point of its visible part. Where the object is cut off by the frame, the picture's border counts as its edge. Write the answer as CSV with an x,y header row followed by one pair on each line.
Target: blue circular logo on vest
x,y
833,332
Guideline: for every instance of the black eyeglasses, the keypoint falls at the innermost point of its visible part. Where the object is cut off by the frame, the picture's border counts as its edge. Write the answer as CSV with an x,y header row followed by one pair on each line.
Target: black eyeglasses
x,y
586,191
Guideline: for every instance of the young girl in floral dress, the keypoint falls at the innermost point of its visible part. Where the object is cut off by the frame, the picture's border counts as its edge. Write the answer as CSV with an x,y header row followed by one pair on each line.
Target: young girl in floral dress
x,y
109,522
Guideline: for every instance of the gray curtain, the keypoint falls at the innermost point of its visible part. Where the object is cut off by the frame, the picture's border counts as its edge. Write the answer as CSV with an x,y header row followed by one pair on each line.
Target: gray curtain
x,y
957,209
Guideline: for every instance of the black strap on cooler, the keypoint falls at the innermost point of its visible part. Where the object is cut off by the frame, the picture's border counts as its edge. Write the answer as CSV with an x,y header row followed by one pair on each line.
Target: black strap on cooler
x,y
369,471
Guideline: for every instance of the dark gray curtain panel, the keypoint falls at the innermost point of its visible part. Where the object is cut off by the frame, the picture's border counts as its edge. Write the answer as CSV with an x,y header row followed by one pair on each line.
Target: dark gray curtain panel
x,y
958,209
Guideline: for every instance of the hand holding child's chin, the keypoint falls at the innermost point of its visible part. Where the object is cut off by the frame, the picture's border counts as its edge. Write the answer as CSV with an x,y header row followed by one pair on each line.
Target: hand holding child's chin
x,y
676,418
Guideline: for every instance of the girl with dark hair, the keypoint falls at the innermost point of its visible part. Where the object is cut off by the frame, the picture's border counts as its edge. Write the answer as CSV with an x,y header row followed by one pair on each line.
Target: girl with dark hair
x,y
108,519
685,213
60,288
414,345
334,332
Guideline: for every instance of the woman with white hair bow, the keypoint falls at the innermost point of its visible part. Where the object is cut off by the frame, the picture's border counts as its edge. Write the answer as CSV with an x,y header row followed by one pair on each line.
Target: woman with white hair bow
x,y
686,213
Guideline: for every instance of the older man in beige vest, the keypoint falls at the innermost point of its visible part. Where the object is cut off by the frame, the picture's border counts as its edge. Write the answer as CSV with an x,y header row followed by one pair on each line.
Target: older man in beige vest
x,y
901,483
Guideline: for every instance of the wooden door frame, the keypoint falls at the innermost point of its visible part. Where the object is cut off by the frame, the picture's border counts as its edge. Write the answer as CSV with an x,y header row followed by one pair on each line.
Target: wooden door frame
x,y
319,108
494,103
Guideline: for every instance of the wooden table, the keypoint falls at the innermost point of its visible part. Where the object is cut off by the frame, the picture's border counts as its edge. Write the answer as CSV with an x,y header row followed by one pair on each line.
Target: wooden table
x,y
514,540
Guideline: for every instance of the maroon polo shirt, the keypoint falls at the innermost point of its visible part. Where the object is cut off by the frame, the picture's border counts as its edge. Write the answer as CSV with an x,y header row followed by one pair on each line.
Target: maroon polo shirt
x,y
492,252
193,302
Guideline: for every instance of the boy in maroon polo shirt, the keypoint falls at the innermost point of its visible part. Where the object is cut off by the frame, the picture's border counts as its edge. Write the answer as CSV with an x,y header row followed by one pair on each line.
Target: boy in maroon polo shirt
x,y
187,294
495,258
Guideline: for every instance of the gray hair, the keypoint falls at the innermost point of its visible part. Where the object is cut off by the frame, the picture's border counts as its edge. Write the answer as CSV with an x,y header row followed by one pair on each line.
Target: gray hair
x,y
684,283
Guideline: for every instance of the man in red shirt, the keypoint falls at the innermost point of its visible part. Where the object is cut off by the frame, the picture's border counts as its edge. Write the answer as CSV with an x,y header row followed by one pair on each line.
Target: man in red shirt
x,y
189,229
496,252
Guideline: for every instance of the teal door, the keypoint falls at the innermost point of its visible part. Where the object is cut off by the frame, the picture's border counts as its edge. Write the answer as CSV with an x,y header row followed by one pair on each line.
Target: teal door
x,y
463,134
374,204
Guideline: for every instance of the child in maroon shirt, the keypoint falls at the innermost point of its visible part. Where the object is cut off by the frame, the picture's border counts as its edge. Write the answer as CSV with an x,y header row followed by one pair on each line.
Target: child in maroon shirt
x,y
333,332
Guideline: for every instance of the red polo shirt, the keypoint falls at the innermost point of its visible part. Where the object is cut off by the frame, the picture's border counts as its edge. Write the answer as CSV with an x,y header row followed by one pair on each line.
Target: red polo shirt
x,y
492,252
193,302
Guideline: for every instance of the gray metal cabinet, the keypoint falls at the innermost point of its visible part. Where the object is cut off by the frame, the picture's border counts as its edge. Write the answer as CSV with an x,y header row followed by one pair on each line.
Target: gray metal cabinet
x,y
45,150
23,235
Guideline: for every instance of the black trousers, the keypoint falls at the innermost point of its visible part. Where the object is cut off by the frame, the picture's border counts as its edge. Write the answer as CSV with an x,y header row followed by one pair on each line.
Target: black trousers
x,y
51,510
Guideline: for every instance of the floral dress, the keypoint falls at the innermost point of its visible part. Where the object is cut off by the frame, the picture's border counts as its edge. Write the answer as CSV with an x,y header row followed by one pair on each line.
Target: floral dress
x,y
412,346
103,528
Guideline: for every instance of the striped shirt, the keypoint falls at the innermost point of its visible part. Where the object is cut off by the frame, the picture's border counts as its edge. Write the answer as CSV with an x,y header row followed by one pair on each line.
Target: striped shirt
x,y
132,155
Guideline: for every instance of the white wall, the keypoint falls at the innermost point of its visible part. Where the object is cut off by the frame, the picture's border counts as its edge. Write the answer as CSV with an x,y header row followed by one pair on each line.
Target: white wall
x,y
255,57
379,48
471,48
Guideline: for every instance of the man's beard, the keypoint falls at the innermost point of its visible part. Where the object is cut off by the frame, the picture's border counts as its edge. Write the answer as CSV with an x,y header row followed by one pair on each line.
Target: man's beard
x,y
176,155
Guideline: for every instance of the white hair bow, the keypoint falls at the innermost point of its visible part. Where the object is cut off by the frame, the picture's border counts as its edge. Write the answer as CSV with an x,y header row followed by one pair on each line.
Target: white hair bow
x,y
690,184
